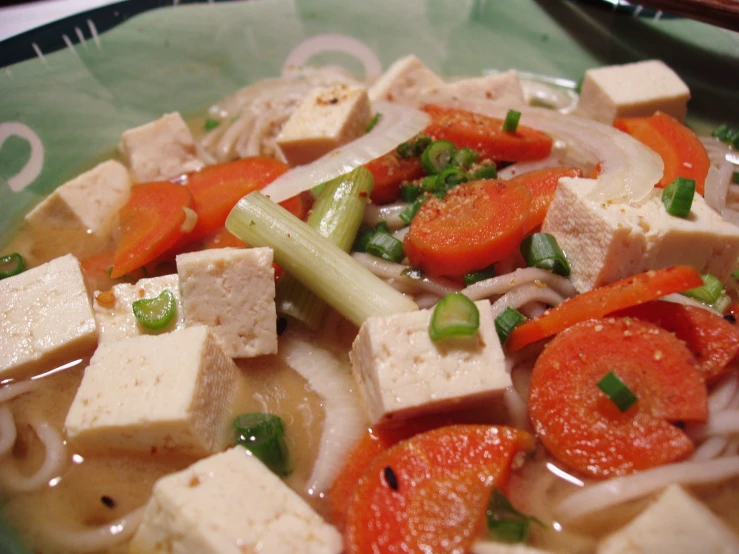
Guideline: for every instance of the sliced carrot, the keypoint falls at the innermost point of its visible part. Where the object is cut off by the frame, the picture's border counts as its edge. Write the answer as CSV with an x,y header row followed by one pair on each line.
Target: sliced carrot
x,y
223,238
595,171
299,205
151,223
216,189
99,266
389,172
604,300
543,184
580,426
713,341
486,136
476,224
680,149
444,480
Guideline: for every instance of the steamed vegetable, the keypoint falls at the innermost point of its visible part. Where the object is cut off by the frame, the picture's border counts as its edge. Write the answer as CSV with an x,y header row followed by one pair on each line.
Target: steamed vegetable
x,y
264,436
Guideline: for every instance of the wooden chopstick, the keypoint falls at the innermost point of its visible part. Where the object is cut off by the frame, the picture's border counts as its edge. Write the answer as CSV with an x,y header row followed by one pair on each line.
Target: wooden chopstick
x,y
722,13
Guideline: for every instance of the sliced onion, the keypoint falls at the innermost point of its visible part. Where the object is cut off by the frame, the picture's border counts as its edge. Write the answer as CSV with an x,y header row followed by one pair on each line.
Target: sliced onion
x,y
397,124
389,213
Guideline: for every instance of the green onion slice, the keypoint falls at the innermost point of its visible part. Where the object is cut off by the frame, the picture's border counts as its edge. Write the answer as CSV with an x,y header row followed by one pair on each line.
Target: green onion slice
x,y
541,250
454,316
617,391
735,178
464,158
264,436
385,246
156,313
413,147
441,183
375,120
710,292
489,172
211,124
678,196
510,125
507,321
412,209
437,156
722,132
506,523
12,264
409,193
476,276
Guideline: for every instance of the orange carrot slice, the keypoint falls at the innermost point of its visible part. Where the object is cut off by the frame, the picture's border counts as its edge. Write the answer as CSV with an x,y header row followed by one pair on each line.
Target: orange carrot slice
x,y
389,172
604,300
580,426
543,184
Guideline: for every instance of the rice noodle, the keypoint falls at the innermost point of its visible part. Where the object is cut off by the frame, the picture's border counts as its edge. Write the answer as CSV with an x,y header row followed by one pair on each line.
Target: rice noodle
x,y
534,309
725,422
390,270
99,538
710,449
426,301
8,431
54,462
723,393
8,392
524,294
516,407
504,283
389,213
615,491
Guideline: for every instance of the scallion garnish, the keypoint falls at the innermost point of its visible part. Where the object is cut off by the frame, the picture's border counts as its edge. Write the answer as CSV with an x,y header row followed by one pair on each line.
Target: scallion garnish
x,y
411,209
617,391
375,120
211,124
264,436
437,156
156,313
413,147
476,276
12,264
489,172
678,196
735,178
384,245
541,250
506,523
711,291
510,124
409,193
464,158
722,132
507,321
454,316
441,183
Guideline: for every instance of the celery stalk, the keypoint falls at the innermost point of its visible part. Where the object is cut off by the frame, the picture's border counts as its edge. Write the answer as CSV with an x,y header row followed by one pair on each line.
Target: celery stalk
x,y
336,214
315,261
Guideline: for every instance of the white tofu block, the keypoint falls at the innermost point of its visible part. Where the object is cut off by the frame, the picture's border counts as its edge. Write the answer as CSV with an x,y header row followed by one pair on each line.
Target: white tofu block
x,y
114,308
326,119
45,318
675,523
170,392
404,81
230,503
501,88
608,242
160,150
86,205
232,290
402,373
632,90
490,547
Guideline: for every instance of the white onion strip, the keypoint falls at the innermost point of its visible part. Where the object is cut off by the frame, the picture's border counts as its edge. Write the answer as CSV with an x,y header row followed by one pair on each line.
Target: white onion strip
x,y
504,283
524,294
8,431
389,213
100,538
397,124
53,465
622,489
345,420
678,298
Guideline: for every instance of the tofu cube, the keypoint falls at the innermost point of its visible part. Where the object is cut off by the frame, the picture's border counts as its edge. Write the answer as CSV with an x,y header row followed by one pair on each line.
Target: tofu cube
x,y
404,81
45,318
605,242
675,523
114,308
232,290
171,392
160,150
503,88
402,373
632,90
326,119
84,210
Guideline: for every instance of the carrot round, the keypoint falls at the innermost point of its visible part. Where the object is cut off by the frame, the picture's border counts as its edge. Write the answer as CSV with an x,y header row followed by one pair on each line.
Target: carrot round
x,y
580,426
680,149
429,493
485,135
389,172
476,224
713,341
151,223
543,184
604,300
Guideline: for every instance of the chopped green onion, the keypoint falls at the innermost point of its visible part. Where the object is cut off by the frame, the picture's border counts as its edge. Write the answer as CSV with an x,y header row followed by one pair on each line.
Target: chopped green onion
x,y
264,436
678,196
510,125
578,86
315,192
375,121
353,290
709,293
506,523
476,276
507,321
363,237
454,316
446,180
156,313
437,156
385,246
409,193
413,147
412,209
464,158
735,178
12,264
489,172
723,303
617,391
211,124
735,274
722,132
541,250
382,227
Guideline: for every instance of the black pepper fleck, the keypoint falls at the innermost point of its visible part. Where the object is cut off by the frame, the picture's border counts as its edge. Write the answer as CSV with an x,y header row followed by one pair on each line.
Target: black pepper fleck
x,y
730,318
680,424
281,325
390,478
108,501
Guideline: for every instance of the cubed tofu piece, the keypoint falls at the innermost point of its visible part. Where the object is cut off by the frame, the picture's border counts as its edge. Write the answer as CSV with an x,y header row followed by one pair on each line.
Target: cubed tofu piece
x,y
502,88
160,150
114,308
326,119
490,547
632,90
45,318
402,373
405,81
230,503
675,523
84,211
232,290
169,392
605,242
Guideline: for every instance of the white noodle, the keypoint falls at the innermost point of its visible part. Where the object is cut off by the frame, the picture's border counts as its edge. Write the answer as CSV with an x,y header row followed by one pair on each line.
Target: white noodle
x,y
504,283
390,270
710,449
54,462
723,393
425,301
533,310
7,430
8,392
401,233
615,491
99,538
524,294
725,422
517,410
389,213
